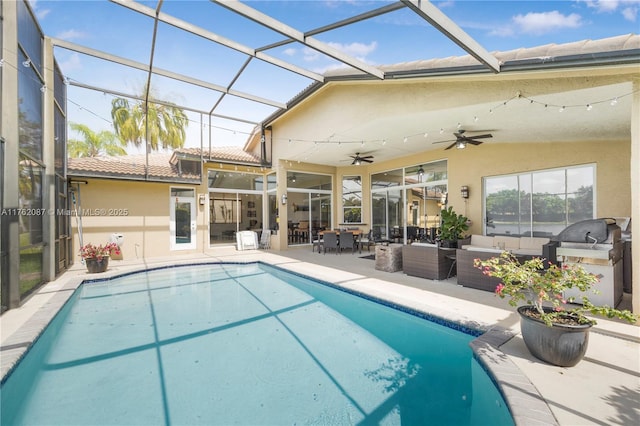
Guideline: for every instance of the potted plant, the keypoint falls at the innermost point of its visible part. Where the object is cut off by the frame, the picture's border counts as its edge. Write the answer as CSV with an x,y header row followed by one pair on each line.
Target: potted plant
x,y
452,227
96,258
552,331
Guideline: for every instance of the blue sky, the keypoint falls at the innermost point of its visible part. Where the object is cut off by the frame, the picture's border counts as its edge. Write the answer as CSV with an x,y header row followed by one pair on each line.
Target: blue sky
x,y
392,38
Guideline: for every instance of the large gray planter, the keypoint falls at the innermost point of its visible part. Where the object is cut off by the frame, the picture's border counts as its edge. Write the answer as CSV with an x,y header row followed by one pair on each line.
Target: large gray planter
x,y
560,344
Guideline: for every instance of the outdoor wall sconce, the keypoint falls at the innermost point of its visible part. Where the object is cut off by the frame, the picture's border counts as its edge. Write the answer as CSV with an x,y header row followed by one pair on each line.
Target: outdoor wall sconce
x,y
201,199
464,192
284,199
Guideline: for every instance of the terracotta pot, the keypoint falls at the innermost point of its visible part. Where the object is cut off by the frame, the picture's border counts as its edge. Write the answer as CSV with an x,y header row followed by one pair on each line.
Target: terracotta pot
x,y
561,344
94,265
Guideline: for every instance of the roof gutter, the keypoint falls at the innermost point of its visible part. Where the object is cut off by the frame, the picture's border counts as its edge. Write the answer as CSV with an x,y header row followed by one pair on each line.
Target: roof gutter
x,y
600,59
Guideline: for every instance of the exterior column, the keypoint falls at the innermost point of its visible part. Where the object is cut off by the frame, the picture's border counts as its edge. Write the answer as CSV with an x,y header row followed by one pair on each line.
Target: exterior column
x,y
9,230
635,196
48,154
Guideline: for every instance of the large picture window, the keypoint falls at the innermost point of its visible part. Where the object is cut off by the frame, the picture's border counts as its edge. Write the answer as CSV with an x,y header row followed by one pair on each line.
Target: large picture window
x,y
540,203
352,199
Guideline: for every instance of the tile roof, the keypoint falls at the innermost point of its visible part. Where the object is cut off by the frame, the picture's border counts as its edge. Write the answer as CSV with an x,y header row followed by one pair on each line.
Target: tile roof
x,y
161,166
545,53
228,154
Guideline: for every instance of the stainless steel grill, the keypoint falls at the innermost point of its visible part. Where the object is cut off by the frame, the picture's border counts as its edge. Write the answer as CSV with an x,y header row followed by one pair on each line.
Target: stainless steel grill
x,y
597,246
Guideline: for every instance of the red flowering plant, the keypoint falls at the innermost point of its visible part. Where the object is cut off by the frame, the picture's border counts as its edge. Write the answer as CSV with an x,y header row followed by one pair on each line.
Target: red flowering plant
x,y
544,289
90,251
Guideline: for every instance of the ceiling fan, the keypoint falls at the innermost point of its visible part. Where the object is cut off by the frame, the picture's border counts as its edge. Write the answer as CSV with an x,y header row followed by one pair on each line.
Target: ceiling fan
x,y
357,159
461,140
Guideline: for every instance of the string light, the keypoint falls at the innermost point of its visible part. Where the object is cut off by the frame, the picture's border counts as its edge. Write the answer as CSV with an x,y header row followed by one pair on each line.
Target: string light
x,y
589,107
26,63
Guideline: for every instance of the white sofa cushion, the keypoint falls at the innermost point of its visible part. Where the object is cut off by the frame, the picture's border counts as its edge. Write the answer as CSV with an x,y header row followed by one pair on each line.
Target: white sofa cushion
x,y
481,241
510,243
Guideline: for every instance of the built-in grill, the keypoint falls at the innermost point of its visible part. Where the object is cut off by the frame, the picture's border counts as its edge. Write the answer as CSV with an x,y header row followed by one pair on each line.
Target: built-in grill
x,y
596,245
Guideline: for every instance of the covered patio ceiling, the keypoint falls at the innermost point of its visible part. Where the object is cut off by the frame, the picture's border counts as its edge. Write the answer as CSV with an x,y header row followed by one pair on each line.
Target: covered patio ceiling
x,y
258,82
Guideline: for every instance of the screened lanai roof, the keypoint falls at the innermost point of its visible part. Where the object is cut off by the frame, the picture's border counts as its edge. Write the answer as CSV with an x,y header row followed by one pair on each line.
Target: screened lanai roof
x,y
232,65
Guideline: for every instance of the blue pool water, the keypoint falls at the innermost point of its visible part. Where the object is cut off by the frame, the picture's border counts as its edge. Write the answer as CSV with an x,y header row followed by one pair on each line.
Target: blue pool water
x,y
244,344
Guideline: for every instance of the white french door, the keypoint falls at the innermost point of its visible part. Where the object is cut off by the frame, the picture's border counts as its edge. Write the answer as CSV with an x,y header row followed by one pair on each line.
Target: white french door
x,y
182,221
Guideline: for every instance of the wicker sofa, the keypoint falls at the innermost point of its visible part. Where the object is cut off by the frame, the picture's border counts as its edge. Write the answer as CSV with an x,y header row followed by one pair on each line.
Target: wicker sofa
x,y
485,247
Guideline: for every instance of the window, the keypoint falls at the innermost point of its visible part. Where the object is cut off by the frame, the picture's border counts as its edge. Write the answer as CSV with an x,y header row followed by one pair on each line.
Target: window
x,y
540,203
352,199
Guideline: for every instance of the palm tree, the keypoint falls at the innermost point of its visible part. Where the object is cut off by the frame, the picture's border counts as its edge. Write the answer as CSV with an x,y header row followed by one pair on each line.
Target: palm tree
x,y
167,123
94,144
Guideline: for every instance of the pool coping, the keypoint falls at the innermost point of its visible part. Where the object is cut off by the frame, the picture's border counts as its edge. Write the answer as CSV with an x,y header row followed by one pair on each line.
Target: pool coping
x,y
525,403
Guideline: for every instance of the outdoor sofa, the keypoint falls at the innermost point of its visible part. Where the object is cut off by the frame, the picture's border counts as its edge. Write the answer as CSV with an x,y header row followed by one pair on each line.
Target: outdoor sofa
x,y
485,247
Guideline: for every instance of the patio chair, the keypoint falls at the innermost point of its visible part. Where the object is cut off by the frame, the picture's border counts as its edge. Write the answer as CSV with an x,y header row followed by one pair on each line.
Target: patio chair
x,y
316,242
330,242
347,242
265,239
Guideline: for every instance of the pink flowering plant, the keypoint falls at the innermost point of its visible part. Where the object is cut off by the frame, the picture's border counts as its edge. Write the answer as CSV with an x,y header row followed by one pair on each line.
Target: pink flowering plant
x,y
544,289
91,251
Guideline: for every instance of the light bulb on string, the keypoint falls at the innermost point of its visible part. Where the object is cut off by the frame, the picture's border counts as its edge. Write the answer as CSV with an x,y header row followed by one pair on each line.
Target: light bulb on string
x,y
589,107
614,102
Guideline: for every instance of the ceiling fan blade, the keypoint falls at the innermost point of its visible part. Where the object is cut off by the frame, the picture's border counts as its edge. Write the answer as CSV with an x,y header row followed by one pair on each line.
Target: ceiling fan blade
x,y
366,160
488,135
451,146
472,142
366,156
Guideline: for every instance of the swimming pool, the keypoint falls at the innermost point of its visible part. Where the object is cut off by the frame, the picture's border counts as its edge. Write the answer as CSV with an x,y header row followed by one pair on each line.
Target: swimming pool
x,y
244,344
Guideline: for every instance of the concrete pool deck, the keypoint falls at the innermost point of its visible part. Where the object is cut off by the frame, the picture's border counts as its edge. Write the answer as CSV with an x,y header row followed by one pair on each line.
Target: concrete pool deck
x,y
602,389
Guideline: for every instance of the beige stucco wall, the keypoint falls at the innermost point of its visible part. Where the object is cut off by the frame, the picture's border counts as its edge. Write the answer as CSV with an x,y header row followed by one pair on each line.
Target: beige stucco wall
x,y
138,210
146,222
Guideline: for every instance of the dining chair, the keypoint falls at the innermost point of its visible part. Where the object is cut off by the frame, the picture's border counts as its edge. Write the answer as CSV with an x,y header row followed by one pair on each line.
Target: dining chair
x,y
317,241
330,242
347,242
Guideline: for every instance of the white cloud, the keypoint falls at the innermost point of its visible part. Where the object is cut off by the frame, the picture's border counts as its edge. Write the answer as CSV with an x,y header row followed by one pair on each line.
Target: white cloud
x,y
628,8
541,23
290,51
71,63
71,35
445,4
503,31
40,13
630,13
359,50
310,55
